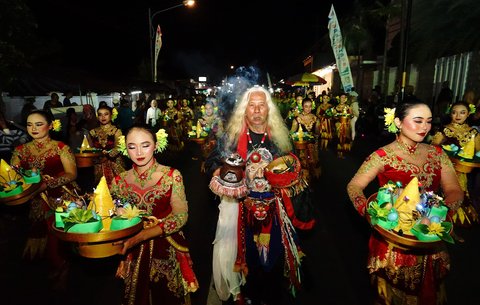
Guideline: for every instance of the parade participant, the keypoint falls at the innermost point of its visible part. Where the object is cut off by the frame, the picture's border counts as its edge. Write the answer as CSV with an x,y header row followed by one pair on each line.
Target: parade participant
x,y
213,125
324,114
55,162
153,116
343,114
89,120
157,268
105,137
308,122
402,276
173,118
295,108
187,116
268,256
354,105
459,133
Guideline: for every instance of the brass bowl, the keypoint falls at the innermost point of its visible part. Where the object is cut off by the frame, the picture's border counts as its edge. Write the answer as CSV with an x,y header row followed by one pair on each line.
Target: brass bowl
x,y
29,190
98,245
86,159
198,140
463,166
300,145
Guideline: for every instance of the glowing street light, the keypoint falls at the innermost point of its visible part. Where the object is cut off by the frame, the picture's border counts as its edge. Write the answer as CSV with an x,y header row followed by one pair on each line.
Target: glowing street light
x,y
187,3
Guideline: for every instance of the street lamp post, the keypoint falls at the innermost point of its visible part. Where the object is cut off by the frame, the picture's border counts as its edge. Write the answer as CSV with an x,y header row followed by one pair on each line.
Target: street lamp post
x,y
188,3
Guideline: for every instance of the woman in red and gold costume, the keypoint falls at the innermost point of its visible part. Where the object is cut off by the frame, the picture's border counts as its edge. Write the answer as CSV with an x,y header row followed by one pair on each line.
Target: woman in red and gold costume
x,y
343,114
459,133
402,276
187,117
310,124
157,268
173,118
213,125
324,114
55,162
105,137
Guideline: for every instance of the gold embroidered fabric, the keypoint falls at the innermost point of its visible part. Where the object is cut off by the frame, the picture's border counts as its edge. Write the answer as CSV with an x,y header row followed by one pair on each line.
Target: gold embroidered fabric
x,y
308,120
424,166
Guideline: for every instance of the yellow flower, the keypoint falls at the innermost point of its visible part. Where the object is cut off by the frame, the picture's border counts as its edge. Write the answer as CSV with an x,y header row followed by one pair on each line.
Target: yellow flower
x,y
57,125
390,120
472,109
114,114
389,115
435,228
122,146
161,140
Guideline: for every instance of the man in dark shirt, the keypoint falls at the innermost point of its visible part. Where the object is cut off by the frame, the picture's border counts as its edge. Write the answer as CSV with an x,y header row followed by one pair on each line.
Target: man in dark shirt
x,y
66,101
53,102
11,136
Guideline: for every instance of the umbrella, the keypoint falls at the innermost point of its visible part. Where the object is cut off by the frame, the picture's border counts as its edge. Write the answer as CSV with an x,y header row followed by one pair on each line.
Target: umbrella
x,y
305,80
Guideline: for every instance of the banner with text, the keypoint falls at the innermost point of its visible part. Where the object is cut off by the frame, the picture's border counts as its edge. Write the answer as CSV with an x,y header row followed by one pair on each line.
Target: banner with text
x,y
339,51
158,45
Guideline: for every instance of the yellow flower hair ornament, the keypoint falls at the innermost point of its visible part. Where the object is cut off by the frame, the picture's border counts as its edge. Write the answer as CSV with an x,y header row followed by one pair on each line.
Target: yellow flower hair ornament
x,y
114,114
122,146
162,141
472,109
390,120
56,125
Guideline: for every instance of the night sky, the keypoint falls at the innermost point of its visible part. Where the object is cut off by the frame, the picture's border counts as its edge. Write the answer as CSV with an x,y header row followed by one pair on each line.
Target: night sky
x,y
110,38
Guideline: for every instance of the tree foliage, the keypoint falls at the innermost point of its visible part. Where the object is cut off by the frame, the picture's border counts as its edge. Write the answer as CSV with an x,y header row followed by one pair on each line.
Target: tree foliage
x,y
443,28
17,38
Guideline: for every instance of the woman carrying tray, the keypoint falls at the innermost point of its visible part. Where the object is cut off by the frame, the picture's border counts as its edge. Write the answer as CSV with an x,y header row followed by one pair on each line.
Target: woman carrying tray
x,y
105,137
459,133
157,268
309,123
401,276
55,162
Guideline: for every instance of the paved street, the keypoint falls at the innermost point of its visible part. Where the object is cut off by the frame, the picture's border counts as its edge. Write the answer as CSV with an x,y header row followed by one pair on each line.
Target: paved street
x,y
336,249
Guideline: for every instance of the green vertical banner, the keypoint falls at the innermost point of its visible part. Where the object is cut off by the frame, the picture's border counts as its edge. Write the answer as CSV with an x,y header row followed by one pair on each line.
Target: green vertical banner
x,y
339,51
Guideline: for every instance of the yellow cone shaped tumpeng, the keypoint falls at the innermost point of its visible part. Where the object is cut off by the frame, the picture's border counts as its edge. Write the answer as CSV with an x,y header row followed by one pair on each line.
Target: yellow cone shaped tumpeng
x,y
468,150
103,203
85,145
406,204
7,173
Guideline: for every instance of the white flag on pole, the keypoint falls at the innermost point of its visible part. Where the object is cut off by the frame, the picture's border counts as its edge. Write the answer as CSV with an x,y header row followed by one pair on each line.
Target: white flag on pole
x,y
339,51
158,45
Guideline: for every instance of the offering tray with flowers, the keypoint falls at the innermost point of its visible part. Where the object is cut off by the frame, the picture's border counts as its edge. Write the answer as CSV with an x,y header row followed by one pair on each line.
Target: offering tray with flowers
x,y
463,158
85,154
301,138
98,228
409,219
17,185
198,134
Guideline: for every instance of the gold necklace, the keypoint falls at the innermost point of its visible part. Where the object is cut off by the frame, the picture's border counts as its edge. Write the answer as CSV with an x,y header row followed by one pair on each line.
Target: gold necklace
x,y
41,144
146,176
409,150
